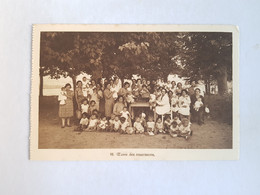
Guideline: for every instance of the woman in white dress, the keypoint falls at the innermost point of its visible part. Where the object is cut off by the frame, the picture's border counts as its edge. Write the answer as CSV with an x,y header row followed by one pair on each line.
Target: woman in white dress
x,y
163,104
184,105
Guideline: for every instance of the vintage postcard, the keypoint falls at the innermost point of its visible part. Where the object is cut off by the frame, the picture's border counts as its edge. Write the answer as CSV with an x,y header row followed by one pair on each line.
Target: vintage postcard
x,y
134,92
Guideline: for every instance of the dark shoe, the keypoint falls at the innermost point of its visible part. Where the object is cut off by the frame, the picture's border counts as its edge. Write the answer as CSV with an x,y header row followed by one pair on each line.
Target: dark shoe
x,y
62,126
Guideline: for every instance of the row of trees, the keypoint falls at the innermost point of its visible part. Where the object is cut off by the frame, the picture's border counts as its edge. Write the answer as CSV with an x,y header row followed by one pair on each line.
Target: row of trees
x,y
150,54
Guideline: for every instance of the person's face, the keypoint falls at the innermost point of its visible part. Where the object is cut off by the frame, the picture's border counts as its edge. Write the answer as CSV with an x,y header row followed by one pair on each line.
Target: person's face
x,y
183,93
80,84
159,121
173,83
163,92
120,99
193,83
197,92
170,94
98,86
138,81
138,120
116,81
125,109
93,82
185,123
116,118
108,86
175,118
174,125
179,85
85,102
84,116
126,86
93,117
68,87
93,104
104,119
84,79
112,117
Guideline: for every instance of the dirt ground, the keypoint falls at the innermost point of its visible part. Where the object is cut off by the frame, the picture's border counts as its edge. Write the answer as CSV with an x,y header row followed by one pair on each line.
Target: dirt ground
x,y
211,135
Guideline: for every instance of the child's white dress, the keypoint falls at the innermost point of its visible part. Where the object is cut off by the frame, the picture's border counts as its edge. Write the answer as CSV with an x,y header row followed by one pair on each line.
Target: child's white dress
x,y
84,121
62,98
84,108
139,127
184,104
125,114
92,123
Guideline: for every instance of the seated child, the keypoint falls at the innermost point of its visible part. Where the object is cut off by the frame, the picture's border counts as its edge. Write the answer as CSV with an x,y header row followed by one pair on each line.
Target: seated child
x,y
92,107
84,106
124,113
150,126
152,101
138,125
184,128
102,126
198,104
62,96
92,123
177,120
144,92
83,124
124,125
117,124
174,129
111,123
167,124
159,126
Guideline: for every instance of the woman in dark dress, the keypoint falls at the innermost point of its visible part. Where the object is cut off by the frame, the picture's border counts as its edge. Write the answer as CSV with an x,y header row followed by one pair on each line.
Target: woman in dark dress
x,y
197,115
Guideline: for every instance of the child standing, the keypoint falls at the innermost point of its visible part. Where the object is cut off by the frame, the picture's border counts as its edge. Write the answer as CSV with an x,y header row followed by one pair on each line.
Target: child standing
x,y
152,101
62,96
84,106
92,107
138,125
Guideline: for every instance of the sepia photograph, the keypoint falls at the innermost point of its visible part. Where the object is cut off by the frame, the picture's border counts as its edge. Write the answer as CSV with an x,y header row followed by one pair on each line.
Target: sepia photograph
x,y
134,88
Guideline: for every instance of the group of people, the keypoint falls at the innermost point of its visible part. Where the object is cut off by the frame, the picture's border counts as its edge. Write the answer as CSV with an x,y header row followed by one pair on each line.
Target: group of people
x,y
104,106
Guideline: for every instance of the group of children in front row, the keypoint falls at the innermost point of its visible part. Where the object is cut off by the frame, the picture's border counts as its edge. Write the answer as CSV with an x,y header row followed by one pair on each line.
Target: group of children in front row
x,y
92,121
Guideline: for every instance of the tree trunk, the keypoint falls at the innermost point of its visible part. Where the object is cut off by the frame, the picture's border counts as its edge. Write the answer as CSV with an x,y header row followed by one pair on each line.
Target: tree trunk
x,y
222,81
74,82
41,85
